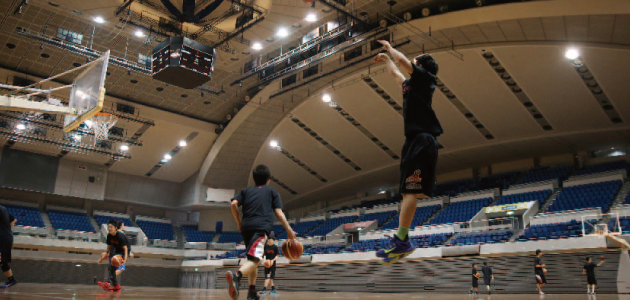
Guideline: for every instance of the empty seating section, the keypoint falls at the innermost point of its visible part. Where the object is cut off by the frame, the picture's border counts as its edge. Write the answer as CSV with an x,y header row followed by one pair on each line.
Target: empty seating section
x,y
65,220
331,224
422,241
100,219
381,217
302,228
502,180
279,232
539,196
461,211
605,167
230,237
546,173
26,216
323,249
476,238
627,201
624,222
598,194
156,230
232,254
452,188
553,231
194,235
421,216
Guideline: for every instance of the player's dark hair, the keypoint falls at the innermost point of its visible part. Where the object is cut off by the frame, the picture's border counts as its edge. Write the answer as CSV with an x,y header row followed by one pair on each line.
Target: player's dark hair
x,y
119,224
113,222
485,263
538,251
261,174
428,63
588,258
474,264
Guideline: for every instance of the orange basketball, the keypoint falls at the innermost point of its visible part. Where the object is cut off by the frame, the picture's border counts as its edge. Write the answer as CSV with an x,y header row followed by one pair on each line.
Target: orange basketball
x,y
602,257
292,249
268,264
544,271
477,275
117,261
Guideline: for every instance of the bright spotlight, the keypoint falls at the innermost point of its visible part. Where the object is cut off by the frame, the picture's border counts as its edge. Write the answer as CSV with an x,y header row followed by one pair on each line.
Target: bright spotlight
x,y
167,157
282,32
326,98
311,17
89,123
273,144
182,143
99,20
257,46
76,137
124,147
139,33
20,126
572,53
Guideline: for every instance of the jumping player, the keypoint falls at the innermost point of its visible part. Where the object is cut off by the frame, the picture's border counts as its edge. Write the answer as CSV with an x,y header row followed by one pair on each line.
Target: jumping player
x,y
420,152
539,272
116,245
487,275
475,280
260,203
589,271
271,254
7,221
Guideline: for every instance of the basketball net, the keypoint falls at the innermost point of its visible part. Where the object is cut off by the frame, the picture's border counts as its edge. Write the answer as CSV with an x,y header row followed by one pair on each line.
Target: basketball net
x,y
103,122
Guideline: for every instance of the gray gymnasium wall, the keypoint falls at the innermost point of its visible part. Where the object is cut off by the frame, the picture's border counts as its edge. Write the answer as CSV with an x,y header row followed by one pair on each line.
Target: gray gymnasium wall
x,y
142,190
81,179
37,271
513,274
28,171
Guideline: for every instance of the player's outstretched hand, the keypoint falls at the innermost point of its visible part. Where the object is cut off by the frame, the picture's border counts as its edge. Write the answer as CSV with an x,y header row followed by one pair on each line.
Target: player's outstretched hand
x,y
381,57
291,235
386,45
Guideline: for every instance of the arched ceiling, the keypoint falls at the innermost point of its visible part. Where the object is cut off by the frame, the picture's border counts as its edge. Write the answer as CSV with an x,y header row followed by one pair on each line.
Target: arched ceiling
x,y
553,110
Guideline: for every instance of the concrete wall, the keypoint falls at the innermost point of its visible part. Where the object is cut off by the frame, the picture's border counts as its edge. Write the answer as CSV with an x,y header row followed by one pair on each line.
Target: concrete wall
x,y
142,190
80,179
208,219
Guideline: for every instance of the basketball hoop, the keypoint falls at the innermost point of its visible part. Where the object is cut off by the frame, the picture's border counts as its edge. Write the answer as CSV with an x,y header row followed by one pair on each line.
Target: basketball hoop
x,y
103,122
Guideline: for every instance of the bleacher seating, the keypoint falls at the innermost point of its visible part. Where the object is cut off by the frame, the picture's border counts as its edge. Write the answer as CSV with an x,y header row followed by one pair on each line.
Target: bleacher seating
x,y
232,254
599,194
230,237
627,201
194,235
303,227
421,241
477,238
156,230
539,196
624,222
65,220
26,216
553,231
419,218
371,203
323,249
100,219
502,180
331,224
605,167
381,217
546,173
461,211
452,188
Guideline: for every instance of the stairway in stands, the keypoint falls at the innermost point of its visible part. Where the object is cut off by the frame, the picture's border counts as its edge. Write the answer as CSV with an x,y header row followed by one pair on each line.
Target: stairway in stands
x,y
549,201
437,212
48,224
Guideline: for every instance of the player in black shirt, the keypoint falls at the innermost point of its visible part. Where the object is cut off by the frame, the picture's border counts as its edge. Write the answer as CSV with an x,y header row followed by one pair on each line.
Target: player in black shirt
x,y
7,221
475,279
539,271
260,203
116,245
487,275
589,271
271,254
420,152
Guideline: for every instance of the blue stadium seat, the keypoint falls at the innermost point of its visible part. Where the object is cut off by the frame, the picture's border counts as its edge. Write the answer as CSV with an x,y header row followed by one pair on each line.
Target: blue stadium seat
x,y
101,219
598,194
546,173
539,196
605,167
477,238
453,188
548,231
461,211
65,220
624,223
26,216
303,227
421,216
194,235
421,241
323,249
502,180
157,230
381,217
230,237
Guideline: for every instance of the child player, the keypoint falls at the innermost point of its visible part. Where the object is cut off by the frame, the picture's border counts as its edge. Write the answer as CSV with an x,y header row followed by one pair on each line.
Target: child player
x,y
116,245
105,256
475,279
271,254
589,271
7,221
260,203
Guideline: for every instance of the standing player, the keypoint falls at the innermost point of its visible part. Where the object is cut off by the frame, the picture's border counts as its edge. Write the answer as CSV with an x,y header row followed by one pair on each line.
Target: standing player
x,y
260,203
271,254
475,279
7,221
116,245
487,275
539,271
105,256
589,271
420,152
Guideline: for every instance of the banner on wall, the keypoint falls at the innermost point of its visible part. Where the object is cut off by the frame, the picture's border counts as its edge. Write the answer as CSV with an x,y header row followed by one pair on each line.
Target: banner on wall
x,y
219,195
509,207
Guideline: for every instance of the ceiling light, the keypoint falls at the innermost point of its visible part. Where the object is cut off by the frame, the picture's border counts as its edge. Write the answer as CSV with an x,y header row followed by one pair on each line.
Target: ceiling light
x,y
273,144
326,98
124,147
510,213
89,123
572,53
139,33
182,143
167,157
282,32
76,137
99,20
78,265
311,17
20,126
381,192
257,46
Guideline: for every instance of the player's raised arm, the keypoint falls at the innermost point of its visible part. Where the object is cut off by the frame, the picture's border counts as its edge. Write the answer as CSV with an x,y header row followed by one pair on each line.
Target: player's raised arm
x,y
398,57
391,67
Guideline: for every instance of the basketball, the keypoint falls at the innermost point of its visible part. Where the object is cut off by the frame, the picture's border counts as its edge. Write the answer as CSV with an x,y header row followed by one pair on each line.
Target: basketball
x,y
117,261
477,275
268,264
544,271
292,249
602,257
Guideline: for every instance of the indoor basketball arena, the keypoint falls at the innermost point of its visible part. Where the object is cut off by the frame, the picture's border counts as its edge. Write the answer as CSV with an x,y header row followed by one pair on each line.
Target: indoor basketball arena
x,y
315,149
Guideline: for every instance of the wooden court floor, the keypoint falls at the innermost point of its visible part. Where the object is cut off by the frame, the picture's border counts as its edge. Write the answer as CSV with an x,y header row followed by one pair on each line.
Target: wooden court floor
x,y
79,292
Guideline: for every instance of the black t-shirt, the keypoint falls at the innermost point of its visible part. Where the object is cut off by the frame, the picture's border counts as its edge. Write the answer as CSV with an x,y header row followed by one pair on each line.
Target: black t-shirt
x,y
5,223
126,243
117,241
474,272
487,272
271,252
590,269
418,112
259,203
538,262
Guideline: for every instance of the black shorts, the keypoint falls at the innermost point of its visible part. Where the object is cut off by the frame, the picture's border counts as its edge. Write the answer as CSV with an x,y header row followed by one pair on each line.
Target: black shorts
x,y
591,280
487,281
254,244
475,282
417,165
270,273
540,278
6,244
